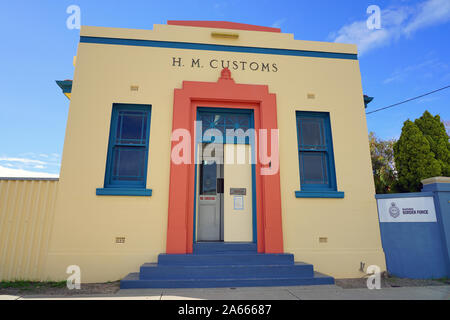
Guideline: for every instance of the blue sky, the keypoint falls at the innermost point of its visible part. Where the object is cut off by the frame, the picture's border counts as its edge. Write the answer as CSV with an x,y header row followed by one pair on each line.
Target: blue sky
x,y
407,57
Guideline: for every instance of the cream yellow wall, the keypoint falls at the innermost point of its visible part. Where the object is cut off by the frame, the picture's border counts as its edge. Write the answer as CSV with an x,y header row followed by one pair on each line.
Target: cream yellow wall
x,y
26,219
237,174
86,225
350,224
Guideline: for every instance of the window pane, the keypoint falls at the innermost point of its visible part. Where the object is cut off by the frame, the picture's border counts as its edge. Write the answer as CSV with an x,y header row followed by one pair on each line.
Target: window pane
x,y
210,121
131,127
314,169
311,132
224,121
128,163
237,121
208,177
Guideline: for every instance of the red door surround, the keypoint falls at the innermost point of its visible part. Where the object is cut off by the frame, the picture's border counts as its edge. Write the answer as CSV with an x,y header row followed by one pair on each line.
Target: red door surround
x,y
224,93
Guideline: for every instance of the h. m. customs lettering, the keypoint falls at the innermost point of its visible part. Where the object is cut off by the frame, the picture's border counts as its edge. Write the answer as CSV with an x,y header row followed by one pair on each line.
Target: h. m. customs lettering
x,y
237,65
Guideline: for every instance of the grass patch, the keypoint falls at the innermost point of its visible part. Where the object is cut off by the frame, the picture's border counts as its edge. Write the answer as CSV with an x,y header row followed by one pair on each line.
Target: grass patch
x,y
443,280
393,278
31,285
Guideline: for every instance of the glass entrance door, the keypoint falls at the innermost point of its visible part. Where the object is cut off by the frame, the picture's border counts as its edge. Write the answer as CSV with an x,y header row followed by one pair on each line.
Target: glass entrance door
x,y
210,192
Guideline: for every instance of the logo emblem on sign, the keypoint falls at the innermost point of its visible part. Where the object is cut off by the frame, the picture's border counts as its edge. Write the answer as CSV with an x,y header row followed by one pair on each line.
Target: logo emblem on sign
x,y
394,211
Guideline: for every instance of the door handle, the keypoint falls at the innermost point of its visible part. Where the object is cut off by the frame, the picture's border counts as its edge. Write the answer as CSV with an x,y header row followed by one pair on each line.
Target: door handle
x,y
219,185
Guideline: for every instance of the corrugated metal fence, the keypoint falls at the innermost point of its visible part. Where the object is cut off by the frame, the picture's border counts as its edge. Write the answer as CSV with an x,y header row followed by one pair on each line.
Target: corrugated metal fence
x,y
26,219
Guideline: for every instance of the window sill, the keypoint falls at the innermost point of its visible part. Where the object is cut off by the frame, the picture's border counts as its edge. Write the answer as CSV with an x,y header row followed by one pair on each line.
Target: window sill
x,y
319,194
123,192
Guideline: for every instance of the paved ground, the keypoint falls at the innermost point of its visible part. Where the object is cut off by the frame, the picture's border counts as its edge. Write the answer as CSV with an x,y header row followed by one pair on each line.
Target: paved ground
x,y
326,292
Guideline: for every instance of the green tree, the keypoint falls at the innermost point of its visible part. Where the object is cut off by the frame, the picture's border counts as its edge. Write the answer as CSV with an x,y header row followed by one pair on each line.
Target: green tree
x,y
447,127
414,160
434,131
382,155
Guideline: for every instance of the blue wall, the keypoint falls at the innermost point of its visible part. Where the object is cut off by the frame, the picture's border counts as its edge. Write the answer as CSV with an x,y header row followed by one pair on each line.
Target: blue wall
x,y
441,194
413,249
419,250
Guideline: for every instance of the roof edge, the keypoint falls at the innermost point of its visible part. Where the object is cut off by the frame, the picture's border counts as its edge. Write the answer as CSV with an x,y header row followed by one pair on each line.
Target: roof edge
x,y
222,25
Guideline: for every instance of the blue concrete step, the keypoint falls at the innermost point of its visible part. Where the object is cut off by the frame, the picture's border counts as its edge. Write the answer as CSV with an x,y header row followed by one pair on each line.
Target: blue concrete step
x,y
224,265
132,281
226,259
153,271
224,247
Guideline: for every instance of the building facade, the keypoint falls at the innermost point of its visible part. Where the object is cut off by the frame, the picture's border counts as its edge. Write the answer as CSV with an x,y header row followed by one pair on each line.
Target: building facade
x,y
213,132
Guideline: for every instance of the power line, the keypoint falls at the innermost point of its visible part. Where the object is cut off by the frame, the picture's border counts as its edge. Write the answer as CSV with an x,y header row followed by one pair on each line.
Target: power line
x,y
396,104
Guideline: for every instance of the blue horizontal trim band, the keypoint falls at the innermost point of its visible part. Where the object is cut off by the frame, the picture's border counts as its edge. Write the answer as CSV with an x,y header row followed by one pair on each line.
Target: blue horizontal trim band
x,y
123,192
403,195
216,47
319,194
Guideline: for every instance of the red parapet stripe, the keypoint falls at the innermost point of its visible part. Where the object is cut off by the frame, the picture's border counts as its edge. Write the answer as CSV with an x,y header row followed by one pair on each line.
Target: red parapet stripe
x,y
222,25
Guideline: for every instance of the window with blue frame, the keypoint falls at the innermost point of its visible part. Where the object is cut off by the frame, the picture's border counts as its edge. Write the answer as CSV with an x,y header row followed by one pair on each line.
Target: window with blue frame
x,y
126,165
237,120
315,152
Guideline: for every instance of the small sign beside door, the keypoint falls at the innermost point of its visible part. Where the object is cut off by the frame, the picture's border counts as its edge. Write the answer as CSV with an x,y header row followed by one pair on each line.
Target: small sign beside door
x,y
238,191
238,203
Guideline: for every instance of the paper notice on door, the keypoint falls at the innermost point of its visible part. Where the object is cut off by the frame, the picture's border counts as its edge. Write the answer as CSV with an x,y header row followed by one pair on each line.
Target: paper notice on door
x,y
238,203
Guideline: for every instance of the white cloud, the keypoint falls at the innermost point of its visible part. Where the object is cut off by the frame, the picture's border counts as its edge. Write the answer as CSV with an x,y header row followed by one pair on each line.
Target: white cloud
x,y
20,173
30,166
22,160
426,69
365,39
430,13
395,23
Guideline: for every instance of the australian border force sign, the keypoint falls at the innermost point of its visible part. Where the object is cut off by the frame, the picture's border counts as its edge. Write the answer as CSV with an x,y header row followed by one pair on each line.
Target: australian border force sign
x,y
420,209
